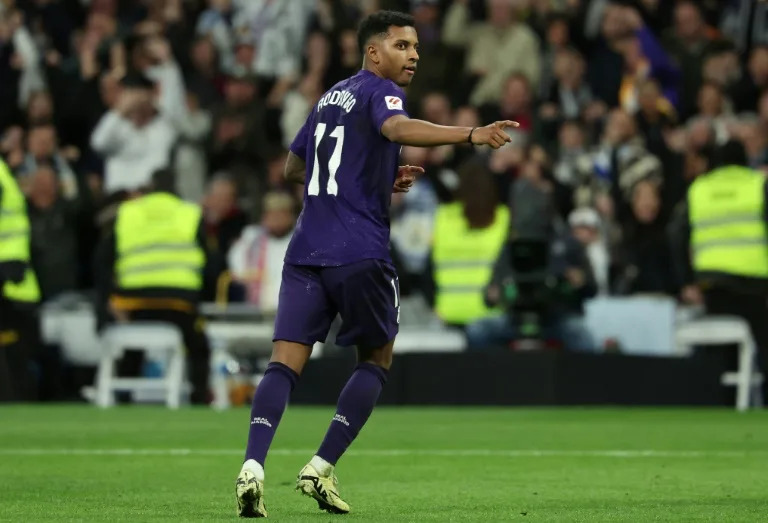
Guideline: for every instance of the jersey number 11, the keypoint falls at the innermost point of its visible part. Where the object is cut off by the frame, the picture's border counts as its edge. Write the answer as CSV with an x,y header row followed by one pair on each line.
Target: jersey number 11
x,y
333,164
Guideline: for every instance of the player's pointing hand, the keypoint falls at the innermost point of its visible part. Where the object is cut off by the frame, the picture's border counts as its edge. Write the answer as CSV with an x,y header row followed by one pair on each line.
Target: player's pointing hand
x,y
493,134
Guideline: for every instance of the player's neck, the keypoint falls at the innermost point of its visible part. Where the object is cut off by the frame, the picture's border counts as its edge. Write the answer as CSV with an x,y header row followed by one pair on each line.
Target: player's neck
x,y
371,68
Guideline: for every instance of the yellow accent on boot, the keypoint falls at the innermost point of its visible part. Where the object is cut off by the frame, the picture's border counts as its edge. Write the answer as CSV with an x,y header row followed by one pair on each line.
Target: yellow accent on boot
x,y
323,489
250,496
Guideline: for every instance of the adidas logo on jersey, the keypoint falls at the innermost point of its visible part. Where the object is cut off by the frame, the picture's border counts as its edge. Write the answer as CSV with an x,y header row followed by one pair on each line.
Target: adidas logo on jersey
x,y
261,421
343,99
341,419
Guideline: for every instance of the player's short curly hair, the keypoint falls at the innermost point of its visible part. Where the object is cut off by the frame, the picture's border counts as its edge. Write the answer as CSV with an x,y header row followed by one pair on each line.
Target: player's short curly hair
x,y
379,22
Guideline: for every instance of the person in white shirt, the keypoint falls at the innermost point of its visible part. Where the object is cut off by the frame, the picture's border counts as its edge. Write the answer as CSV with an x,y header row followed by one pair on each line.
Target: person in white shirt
x,y
256,258
137,135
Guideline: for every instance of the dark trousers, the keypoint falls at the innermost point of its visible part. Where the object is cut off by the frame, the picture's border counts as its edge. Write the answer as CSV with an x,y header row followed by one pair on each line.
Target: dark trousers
x,y
753,308
195,342
19,348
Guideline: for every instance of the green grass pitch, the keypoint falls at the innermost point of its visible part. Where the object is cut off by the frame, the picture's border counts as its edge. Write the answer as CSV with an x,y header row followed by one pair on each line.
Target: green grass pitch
x,y
409,464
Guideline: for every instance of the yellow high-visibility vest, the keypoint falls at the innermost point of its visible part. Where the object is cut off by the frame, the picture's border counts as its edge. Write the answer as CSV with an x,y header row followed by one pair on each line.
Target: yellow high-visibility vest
x,y
726,210
14,238
463,262
156,238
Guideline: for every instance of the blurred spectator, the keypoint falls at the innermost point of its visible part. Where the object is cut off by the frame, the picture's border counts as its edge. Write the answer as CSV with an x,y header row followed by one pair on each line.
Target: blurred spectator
x,y
743,21
317,61
204,78
754,80
644,58
605,61
413,219
722,68
689,43
762,109
585,227
223,219
256,258
12,146
23,55
40,109
42,150
643,258
444,63
53,230
189,158
620,160
501,45
755,141
515,104
237,143
571,148
136,136
297,105
654,118
556,38
468,235
569,95
711,101
217,24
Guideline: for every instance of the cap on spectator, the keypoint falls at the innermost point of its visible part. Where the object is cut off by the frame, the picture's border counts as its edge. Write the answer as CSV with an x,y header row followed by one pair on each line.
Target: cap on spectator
x,y
584,217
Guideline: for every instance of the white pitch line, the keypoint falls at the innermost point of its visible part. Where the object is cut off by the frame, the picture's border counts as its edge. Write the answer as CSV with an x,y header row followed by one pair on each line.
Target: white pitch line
x,y
522,453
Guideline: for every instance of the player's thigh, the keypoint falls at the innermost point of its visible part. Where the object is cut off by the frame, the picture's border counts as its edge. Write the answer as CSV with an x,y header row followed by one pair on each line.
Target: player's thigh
x,y
304,313
367,296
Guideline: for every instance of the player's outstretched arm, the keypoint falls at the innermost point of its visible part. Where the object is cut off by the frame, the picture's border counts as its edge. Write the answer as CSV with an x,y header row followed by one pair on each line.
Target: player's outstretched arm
x,y
295,169
419,133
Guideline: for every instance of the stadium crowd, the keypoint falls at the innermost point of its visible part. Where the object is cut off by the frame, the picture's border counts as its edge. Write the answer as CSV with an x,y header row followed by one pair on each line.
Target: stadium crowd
x,y
620,104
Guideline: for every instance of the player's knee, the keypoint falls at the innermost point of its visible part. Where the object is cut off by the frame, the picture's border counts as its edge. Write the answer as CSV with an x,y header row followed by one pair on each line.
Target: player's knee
x,y
381,356
290,354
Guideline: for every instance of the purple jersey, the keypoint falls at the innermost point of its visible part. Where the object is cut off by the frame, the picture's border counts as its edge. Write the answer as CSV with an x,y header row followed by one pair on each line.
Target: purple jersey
x,y
351,168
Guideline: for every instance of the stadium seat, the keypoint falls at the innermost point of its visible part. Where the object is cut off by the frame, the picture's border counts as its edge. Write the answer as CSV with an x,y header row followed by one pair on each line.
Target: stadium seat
x,y
725,330
157,340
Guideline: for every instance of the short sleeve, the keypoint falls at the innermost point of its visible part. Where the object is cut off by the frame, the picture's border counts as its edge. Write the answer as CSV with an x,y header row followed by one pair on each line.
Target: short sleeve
x,y
387,101
299,144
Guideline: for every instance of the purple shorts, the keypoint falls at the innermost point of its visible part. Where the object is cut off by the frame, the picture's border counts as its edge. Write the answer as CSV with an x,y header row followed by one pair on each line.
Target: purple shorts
x,y
366,294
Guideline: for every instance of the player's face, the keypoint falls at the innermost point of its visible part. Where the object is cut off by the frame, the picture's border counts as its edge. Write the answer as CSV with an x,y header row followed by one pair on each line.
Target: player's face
x,y
400,54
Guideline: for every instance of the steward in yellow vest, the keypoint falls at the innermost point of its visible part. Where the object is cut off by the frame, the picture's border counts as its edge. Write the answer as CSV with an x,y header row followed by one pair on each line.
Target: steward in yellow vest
x,y
19,294
728,224
152,265
726,239
463,260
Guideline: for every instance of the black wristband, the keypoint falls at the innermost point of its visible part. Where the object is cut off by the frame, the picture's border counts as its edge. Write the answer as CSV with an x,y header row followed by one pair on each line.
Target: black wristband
x,y
469,138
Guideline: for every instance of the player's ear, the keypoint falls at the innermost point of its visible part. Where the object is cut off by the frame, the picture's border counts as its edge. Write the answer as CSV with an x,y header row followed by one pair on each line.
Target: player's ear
x,y
372,51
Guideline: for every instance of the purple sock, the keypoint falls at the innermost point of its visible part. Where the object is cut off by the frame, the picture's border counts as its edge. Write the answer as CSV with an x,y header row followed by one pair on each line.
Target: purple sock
x,y
268,406
355,404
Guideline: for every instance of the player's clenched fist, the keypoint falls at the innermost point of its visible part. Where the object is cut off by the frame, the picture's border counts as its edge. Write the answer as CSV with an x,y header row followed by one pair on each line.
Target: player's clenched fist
x,y
492,134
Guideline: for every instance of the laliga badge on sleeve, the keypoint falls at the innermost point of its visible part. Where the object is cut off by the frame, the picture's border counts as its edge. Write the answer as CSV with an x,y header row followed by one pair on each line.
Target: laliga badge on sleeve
x,y
394,103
